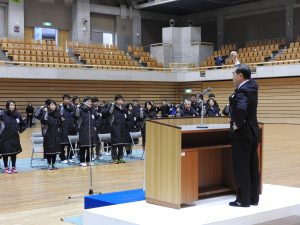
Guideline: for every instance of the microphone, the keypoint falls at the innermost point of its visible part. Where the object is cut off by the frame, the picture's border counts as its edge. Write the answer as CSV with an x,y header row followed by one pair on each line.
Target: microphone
x,y
209,89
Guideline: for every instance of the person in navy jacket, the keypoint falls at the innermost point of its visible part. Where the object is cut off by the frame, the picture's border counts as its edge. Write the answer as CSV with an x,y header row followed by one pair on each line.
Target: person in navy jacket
x,y
146,113
86,117
11,125
211,108
51,121
67,111
132,125
120,136
98,125
244,137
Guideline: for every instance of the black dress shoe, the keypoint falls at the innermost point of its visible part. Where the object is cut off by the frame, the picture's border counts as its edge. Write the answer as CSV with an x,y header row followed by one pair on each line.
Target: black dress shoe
x,y
237,204
254,203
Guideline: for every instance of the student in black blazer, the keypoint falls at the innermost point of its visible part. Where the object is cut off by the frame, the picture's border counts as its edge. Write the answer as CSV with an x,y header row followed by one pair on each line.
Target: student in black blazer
x,y
244,137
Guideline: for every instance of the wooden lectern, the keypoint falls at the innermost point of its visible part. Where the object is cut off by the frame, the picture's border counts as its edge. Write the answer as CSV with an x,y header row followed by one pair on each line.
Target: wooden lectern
x,y
185,163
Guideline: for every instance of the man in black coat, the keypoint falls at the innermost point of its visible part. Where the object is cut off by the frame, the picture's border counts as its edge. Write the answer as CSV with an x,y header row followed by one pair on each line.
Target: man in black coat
x,y
244,137
136,106
163,109
148,112
119,130
67,111
29,112
98,125
187,110
194,104
51,121
86,116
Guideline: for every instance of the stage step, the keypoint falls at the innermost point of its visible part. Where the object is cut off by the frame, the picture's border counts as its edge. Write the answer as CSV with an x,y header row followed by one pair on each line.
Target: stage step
x,y
276,203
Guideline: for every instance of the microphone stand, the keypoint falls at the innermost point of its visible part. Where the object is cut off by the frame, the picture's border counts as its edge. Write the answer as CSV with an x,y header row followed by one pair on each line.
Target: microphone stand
x,y
202,125
91,191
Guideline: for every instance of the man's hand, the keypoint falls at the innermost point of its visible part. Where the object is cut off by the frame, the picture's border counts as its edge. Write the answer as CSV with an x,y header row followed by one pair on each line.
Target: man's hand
x,y
234,127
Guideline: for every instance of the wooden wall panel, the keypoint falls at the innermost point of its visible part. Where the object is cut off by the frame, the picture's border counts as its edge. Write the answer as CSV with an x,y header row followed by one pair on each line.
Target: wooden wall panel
x,y
29,32
189,183
279,98
63,36
278,101
37,90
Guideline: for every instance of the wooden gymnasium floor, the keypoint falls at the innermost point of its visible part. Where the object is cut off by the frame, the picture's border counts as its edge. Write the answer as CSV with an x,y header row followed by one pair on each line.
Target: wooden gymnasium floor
x,y
40,197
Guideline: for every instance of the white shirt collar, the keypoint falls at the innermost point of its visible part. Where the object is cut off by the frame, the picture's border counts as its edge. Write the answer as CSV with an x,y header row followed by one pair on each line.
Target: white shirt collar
x,y
241,84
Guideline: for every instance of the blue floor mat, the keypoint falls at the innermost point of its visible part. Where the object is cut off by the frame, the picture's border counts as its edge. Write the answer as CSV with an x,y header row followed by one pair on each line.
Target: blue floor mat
x,y
113,198
107,199
77,220
23,164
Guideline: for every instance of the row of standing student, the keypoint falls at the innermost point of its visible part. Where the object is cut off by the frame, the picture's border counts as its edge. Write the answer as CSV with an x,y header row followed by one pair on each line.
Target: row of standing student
x,y
88,119
57,122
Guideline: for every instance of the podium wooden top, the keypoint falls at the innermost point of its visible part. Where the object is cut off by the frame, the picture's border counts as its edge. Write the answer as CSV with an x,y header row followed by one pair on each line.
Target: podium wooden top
x,y
209,128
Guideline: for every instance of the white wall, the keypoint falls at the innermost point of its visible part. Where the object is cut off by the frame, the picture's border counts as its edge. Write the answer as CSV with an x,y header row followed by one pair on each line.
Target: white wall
x,y
84,74
127,75
16,18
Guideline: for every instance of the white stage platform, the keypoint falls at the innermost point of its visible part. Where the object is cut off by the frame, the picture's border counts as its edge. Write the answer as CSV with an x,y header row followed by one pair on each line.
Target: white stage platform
x,y
275,202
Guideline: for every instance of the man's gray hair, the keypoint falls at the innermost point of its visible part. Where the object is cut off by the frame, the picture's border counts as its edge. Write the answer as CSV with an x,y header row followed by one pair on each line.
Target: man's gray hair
x,y
187,101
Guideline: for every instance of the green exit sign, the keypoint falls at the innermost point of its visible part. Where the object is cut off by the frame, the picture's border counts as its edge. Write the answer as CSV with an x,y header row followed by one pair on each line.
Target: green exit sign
x,y
188,90
47,24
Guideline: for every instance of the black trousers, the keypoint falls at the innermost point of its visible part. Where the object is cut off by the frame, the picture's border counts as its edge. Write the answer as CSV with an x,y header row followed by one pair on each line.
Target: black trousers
x,y
51,159
29,120
98,147
84,154
128,149
143,131
117,152
63,155
246,170
13,160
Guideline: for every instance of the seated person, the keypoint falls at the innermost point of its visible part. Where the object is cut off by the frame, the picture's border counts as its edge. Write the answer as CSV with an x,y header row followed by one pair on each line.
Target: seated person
x,y
211,108
163,109
212,95
187,110
172,110
219,60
